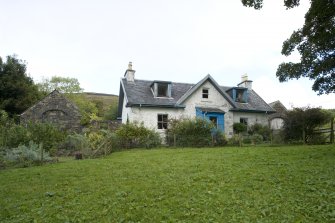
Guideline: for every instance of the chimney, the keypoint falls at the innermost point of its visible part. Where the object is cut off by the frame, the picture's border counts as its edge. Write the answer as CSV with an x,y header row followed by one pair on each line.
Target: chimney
x,y
130,73
245,82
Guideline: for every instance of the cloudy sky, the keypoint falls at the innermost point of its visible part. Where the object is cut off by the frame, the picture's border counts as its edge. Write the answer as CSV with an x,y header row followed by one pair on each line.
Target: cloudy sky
x,y
173,40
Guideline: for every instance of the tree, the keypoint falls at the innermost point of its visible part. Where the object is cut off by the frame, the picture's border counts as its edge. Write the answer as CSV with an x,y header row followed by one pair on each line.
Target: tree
x,y
301,122
66,85
17,90
315,42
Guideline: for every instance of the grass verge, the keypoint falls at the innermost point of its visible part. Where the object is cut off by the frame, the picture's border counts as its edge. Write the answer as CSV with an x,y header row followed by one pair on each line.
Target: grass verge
x,y
258,184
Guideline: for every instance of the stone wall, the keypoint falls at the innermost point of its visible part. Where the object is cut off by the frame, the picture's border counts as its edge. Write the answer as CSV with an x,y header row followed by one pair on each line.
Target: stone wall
x,y
55,109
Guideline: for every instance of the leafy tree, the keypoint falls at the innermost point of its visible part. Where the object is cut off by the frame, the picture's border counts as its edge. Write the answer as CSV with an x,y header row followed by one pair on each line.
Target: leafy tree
x,y
301,122
315,42
17,90
66,85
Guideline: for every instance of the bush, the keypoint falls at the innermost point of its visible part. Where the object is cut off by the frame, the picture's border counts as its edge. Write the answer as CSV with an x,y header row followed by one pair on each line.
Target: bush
x,y
239,127
194,133
234,141
256,139
47,134
24,156
73,143
261,130
132,135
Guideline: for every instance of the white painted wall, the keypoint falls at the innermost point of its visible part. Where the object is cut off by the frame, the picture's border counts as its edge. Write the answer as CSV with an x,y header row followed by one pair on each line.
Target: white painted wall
x,y
253,118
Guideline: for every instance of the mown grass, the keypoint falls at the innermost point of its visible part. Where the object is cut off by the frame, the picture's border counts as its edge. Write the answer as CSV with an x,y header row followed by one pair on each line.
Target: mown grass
x,y
282,184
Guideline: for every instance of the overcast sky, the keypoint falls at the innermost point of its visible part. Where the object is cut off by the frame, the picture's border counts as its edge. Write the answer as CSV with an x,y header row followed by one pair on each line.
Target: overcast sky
x,y
172,40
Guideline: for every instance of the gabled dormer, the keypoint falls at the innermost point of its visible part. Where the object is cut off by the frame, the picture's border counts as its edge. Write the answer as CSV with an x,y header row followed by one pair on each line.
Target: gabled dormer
x,y
239,94
161,89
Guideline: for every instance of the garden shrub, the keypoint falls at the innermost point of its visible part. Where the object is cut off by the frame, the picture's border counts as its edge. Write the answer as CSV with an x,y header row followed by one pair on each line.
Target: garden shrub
x,y
194,133
73,143
24,156
256,139
262,130
132,135
239,127
234,141
47,134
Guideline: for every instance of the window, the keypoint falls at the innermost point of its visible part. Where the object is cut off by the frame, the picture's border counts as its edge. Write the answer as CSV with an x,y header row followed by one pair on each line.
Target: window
x,y
244,121
162,90
162,121
204,93
214,120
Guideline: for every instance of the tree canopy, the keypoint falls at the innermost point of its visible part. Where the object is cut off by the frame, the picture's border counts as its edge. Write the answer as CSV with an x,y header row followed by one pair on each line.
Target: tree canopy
x,y
315,42
304,120
17,90
66,85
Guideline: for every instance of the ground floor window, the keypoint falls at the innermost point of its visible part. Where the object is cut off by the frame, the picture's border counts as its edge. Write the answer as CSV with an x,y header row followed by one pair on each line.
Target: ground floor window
x,y
162,122
244,121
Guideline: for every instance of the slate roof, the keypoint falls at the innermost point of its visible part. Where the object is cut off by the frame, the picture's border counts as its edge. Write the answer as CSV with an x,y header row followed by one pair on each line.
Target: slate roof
x,y
139,93
279,108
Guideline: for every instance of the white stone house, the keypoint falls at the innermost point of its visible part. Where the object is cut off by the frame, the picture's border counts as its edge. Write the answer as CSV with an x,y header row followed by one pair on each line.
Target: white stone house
x,y
154,102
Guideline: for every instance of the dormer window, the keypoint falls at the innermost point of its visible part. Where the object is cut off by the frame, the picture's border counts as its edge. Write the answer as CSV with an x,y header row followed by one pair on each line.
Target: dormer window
x,y
205,92
161,89
239,94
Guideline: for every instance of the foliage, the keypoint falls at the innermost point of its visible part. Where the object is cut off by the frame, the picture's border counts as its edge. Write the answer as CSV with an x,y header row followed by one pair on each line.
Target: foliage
x,y
133,135
87,108
239,127
258,4
24,156
73,143
190,132
253,184
17,90
301,120
111,113
66,85
315,42
47,134
262,130
14,135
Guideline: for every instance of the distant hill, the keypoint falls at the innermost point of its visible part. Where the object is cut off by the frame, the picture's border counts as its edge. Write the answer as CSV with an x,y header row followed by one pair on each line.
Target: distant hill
x,y
106,99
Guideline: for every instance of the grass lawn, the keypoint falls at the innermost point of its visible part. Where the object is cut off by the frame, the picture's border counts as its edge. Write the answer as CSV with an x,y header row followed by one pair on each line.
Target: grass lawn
x,y
256,184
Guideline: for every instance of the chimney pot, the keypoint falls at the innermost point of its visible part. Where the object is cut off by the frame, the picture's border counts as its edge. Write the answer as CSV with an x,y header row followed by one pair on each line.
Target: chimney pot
x,y
130,73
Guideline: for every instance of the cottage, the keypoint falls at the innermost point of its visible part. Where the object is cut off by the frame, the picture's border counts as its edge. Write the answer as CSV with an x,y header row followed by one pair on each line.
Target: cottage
x,y
56,109
155,102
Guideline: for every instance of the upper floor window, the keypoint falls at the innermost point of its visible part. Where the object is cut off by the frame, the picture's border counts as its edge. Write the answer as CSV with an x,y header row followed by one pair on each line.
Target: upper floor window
x,y
161,89
205,93
162,121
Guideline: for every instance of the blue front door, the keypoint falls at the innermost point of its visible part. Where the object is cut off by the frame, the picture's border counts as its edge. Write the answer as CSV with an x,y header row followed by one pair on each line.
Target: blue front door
x,y
217,118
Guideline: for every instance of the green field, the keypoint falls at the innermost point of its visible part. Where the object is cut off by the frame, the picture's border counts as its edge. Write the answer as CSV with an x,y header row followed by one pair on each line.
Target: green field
x,y
256,184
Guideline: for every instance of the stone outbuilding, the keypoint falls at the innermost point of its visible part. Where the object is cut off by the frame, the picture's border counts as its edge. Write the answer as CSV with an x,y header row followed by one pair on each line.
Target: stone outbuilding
x,y
55,109
276,120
